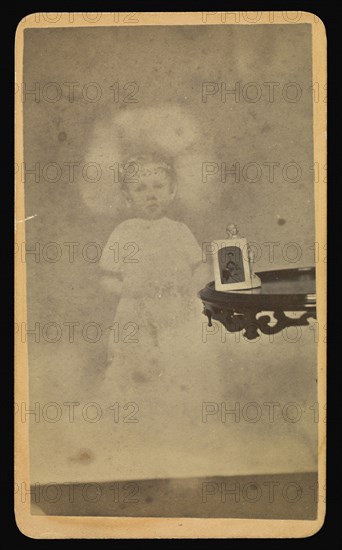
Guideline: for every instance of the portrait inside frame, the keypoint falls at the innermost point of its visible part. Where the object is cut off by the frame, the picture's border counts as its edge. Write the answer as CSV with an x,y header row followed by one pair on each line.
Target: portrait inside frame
x,y
231,264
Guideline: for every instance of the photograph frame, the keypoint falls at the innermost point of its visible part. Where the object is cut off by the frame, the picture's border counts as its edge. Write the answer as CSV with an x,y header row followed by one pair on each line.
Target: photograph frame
x,y
241,245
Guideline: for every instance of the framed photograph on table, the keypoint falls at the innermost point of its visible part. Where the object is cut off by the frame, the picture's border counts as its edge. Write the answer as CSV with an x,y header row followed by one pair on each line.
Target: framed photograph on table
x,y
231,264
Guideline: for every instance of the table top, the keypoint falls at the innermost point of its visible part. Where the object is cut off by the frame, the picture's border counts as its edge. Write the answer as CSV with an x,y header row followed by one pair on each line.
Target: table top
x,y
290,289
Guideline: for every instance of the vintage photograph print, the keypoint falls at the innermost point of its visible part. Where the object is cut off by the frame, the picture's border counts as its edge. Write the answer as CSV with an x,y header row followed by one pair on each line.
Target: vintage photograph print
x,y
231,268
170,245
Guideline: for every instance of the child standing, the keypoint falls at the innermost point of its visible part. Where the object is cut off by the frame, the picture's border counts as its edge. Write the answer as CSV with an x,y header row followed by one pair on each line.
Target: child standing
x,y
153,263
159,361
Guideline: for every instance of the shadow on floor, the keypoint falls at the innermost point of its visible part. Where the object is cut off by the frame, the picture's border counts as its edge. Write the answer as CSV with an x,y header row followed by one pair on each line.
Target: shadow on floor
x,y
279,496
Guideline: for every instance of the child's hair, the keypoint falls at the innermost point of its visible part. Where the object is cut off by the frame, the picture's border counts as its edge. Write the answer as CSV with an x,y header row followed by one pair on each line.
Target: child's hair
x,y
138,165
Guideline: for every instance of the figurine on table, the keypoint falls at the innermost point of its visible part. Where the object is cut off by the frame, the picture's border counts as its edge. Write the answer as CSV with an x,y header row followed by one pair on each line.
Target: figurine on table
x,y
232,231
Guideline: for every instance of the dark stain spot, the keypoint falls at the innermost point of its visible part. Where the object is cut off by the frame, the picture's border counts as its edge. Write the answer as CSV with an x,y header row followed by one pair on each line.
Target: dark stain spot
x,y
62,136
179,131
183,387
265,128
139,377
148,499
84,456
281,221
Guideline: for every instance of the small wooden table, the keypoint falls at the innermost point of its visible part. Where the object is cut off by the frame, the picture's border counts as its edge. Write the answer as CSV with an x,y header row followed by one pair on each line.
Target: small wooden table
x,y
282,290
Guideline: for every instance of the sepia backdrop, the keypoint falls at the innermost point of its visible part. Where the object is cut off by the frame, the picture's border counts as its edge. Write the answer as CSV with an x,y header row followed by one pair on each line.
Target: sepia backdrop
x,y
74,78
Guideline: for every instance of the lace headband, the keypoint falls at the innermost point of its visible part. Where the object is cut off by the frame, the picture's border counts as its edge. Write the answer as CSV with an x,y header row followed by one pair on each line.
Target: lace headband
x,y
144,165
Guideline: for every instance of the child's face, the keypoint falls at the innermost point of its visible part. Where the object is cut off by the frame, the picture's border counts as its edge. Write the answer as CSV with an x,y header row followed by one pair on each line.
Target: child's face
x,y
151,195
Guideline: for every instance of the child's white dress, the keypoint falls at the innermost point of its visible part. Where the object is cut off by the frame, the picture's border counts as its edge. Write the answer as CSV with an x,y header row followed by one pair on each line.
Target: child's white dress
x,y
156,259
159,359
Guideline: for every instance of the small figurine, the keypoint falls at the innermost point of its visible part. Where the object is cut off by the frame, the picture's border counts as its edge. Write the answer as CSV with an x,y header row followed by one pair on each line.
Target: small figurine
x,y
232,231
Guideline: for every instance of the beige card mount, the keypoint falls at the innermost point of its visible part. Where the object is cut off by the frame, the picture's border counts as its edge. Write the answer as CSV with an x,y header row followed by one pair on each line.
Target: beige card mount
x,y
148,403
